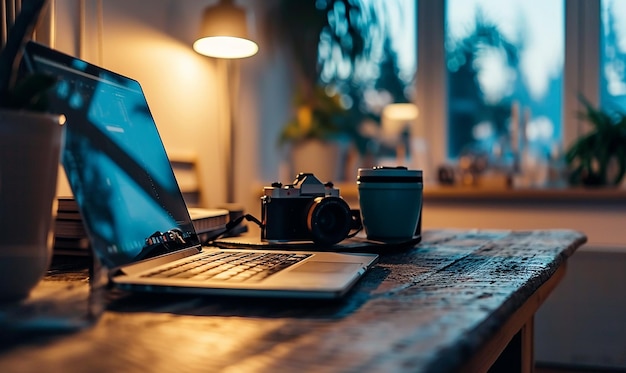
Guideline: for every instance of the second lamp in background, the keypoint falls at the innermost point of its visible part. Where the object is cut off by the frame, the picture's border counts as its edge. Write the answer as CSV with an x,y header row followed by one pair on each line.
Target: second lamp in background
x,y
397,120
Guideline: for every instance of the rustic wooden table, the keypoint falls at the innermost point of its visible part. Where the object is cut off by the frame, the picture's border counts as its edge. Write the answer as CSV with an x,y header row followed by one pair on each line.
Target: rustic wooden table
x,y
459,301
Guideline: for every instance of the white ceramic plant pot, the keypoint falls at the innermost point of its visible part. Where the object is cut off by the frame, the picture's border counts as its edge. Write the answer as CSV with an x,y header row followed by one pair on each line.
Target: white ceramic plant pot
x,y
30,147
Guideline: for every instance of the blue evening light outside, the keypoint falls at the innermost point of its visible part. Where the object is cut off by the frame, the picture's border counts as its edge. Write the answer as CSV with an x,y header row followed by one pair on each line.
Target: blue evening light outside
x,y
385,74
505,66
397,25
613,55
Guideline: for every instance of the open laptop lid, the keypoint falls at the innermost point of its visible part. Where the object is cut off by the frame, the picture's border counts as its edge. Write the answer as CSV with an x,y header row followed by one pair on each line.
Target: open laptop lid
x,y
115,161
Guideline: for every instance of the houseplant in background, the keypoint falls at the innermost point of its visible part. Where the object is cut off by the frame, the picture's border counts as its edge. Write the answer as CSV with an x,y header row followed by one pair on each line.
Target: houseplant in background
x,y
598,158
313,132
30,146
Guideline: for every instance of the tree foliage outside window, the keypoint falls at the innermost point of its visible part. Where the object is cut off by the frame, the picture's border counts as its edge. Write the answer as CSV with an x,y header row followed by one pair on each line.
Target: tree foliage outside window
x,y
501,61
347,50
613,56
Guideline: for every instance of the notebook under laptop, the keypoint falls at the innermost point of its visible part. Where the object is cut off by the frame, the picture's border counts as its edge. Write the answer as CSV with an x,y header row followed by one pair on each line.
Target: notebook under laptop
x,y
133,210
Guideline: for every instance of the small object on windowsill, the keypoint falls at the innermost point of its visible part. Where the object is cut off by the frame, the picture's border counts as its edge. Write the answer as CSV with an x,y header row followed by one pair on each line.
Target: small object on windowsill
x,y
445,175
489,179
494,180
557,173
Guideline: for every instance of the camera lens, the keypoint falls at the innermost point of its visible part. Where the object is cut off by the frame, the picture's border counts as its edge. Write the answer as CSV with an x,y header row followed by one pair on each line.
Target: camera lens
x,y
328,220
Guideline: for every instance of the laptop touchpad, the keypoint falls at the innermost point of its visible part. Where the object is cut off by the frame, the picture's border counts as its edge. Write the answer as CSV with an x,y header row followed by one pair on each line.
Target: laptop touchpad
x,y
326,267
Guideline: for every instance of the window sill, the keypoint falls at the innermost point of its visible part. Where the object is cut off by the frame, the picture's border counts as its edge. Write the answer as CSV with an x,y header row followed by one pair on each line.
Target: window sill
x,y
438,193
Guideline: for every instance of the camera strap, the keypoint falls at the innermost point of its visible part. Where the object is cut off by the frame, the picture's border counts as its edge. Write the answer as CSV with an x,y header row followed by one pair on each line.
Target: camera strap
x,y
357,225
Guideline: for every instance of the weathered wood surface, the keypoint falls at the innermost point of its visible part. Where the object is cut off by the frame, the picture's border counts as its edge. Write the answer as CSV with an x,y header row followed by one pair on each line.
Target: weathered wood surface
x,y
428,309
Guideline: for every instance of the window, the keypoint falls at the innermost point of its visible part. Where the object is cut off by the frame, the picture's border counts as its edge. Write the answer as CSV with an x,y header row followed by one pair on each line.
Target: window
x,y
383,75
570,68
504,63
613,55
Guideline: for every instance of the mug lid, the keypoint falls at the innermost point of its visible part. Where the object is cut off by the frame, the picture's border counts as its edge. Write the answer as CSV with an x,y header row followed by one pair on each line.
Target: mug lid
x,y
389,175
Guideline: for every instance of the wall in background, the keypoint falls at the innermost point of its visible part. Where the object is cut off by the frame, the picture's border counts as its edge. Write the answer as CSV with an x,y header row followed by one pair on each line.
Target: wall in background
x,y
150,41
582,323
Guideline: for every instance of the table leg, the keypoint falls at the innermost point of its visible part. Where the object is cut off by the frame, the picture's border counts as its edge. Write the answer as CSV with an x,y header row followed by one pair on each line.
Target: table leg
x,y
518,355
511,348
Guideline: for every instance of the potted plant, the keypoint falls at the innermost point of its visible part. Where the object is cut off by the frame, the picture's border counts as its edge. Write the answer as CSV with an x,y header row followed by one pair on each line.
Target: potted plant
x,y
598,158
313,132
30,146
317,116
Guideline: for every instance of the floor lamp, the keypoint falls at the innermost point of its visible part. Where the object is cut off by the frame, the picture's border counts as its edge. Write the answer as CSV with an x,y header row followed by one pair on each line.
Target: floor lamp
x,y
224,35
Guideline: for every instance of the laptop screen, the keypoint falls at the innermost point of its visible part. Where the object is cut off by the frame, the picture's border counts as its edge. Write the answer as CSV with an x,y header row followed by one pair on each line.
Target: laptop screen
x,y
115,162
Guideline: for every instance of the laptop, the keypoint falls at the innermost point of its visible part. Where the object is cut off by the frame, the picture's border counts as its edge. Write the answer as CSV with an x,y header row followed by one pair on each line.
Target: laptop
x,y
133,210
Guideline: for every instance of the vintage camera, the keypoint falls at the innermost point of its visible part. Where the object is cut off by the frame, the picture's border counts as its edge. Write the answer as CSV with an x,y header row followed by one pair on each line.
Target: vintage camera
x,y
306,210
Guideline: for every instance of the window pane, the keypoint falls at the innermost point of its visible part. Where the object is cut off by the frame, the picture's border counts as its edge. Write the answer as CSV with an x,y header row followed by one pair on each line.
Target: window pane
x,y
505,69
613,55
382,76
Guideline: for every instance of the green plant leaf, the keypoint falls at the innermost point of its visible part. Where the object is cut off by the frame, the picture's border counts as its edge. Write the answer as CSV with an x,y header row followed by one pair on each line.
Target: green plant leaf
x,y
29,93
9,56
590,155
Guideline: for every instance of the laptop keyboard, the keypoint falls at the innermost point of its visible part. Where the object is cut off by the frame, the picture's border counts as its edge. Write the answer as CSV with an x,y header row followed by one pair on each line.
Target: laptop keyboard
x,y
230,266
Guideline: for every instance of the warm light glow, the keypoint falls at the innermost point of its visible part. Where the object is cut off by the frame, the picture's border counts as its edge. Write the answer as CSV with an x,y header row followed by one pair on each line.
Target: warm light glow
x,y
225,47
406,112
396,118
224,32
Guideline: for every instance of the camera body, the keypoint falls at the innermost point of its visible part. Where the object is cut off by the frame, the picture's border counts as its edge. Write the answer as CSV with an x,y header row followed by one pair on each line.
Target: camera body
x,y
306,210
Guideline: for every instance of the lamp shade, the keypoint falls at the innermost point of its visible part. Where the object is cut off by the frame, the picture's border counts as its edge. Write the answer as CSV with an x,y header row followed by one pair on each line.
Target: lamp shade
x,y
224,32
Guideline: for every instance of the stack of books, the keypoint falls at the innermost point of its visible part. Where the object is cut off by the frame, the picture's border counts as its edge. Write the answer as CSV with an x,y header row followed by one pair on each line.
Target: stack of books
x,y
70,237
208,221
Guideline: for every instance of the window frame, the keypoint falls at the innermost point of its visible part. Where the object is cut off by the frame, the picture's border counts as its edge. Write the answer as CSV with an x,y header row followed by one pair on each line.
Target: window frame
x,y
581,71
